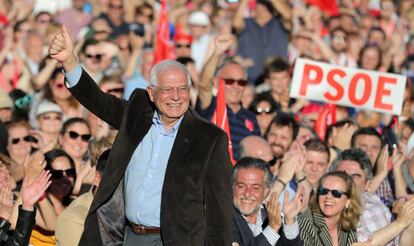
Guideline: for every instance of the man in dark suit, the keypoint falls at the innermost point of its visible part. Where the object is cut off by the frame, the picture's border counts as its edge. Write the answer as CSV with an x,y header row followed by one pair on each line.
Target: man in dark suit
x,y
252,224
167,180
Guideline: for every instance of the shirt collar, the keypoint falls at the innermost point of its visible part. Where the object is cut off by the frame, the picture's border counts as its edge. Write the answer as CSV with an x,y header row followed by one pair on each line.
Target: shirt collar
x,y
157,121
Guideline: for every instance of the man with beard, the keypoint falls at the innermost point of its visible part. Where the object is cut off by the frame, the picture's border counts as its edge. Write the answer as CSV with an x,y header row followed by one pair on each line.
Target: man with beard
x,y
281,132
252,223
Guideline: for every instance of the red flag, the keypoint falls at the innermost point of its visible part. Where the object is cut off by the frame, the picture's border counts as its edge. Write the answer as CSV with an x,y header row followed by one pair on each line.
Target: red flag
x,y
326,117
163,45
328,6
220,116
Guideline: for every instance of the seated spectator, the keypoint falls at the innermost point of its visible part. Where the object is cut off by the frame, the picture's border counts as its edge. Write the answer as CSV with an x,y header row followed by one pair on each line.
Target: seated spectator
x,y
333,214
252,223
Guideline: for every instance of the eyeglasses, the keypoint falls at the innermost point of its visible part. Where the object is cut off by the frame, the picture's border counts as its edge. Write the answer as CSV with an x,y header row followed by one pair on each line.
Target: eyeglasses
x,y
116,90
27,139
111,6
266,110
183,46
23,101
339,39
335,193
97,56
47,117
74,135
58,174
230,81
168,90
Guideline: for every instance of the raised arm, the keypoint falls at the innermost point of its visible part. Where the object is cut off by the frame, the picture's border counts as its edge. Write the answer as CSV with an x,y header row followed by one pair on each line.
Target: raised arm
x,y
283,8
221,44
238,18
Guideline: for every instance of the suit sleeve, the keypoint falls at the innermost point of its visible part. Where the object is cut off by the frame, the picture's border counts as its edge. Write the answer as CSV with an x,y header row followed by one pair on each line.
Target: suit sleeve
x,y
107,107
218,195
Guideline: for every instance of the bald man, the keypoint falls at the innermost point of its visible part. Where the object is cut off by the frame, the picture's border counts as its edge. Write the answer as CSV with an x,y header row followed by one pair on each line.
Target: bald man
x,y
255,146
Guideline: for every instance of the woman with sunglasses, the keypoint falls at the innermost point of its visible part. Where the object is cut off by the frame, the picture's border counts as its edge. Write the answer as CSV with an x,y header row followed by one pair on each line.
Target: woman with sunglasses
x,y
56,198
264,113
333,214
74,140
19,146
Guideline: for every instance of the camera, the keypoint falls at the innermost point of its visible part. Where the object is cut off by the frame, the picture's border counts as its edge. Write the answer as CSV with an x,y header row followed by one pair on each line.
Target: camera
x,y
137,28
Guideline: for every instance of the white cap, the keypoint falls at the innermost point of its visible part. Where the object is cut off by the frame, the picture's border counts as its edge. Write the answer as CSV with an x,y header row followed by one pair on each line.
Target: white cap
x,y
199,18
47,107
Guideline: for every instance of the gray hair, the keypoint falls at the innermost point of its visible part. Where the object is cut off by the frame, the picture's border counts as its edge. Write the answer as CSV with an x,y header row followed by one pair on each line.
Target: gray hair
x,y
228,61
356,155
165,66
257,163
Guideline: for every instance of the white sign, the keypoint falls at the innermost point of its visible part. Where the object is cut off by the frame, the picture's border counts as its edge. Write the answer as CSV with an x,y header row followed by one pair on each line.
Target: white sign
x,y
377,91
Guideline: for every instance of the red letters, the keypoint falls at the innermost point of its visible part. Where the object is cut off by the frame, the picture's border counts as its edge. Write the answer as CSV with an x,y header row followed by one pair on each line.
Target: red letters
x,y
335,84
306,77
353,86
381,91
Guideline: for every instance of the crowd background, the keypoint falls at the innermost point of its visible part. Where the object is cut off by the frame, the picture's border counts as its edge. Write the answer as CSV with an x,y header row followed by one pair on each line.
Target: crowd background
x,y
41,122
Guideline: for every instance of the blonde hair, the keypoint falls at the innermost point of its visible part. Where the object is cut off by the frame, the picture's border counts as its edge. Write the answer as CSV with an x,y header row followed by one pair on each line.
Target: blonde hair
x,y
350,215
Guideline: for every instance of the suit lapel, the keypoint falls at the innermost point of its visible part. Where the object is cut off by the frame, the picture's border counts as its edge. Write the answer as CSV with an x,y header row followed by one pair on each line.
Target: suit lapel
x,y
323,233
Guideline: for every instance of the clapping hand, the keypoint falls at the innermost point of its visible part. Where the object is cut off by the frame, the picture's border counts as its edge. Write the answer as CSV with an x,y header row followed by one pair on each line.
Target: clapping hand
x,y
6,198
273,212
32,191
33,165
291,209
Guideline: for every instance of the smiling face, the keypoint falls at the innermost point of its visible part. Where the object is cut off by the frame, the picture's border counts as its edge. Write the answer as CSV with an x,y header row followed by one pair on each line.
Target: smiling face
x,y
316,165
280,138
17,146
330,206
249,190
171,95
233,92
75,146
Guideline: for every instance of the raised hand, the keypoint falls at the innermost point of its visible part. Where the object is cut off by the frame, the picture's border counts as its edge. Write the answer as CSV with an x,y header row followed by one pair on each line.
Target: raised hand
x,y
291,209
398,158
273,212
6,199
382,161
342,137
32,191
406,213
61,49
33,165
222,43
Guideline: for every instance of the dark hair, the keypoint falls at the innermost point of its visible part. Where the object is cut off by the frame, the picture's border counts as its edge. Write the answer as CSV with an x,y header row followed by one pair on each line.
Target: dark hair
x,y
338,29
257,163
53,154
88,42
18,24
72,121
284,119
258,99
376,29
275,65
317,145
370,131
139,10
185,60
364,49
356,155
409,123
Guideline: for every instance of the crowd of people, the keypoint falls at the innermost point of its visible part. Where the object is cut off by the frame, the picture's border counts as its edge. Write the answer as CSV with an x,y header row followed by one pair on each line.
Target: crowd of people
x,y
82,91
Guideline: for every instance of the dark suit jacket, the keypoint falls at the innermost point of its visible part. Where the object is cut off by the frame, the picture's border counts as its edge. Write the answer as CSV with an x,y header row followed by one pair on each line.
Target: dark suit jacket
x,y
196,199
244,236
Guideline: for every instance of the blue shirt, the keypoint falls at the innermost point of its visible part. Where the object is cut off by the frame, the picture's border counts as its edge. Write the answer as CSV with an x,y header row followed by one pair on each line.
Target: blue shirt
x,y
136,81
144,176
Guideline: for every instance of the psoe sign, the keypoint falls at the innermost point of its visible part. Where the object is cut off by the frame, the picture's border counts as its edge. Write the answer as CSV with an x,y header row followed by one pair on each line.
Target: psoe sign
x,y
378,91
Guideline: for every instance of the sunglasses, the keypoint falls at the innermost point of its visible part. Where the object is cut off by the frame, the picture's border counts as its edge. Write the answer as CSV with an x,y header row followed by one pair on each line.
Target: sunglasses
x,y
335,193
240,82
265,110
183,45
116,90
47,117
74,135
27,139
115,6
58,174
97,56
